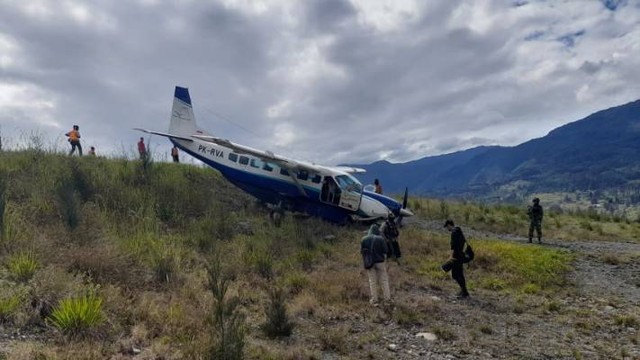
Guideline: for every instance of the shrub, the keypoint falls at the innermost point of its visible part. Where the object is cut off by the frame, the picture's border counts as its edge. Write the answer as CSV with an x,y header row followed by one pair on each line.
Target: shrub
x,y
626,321
68,204
22,266
278,323
305,258
163,262
333,339
296,282
75,315
444,333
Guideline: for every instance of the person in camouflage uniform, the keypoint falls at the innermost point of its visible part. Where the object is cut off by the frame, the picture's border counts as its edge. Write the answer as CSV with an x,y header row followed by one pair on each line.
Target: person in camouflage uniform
x,y
535,213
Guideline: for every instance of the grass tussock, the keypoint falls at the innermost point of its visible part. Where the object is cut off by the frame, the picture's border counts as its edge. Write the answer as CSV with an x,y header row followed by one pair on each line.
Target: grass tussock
x,y
78,315
22,266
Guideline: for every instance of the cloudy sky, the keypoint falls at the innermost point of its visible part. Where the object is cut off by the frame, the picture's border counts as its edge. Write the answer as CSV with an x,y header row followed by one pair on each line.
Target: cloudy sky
x,y
329,81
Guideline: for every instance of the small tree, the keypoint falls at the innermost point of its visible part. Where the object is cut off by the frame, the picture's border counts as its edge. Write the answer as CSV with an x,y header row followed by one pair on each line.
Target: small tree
x,y
228,322
278,322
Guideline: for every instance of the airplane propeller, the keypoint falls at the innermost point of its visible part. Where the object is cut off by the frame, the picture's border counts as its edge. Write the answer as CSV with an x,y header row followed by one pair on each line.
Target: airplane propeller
x,y
404,206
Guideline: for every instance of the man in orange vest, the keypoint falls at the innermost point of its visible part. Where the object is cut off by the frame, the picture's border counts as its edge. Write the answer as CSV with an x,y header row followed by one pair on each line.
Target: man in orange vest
x,y
74,140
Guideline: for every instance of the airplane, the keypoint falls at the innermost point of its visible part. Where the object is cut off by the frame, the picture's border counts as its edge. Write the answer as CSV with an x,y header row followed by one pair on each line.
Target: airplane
x,y
328,192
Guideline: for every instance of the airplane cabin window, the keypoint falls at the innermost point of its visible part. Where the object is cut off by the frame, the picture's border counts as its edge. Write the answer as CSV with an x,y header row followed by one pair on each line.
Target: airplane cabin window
x,y
256,163
233,157
303,175
267,167
316,179
244,160
284,172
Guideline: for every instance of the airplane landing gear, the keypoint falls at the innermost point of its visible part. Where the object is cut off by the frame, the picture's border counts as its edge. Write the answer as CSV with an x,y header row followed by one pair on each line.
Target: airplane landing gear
x,y
277,215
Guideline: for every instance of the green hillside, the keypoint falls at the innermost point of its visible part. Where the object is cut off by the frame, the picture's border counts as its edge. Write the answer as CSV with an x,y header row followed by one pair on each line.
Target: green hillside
x,y
119,259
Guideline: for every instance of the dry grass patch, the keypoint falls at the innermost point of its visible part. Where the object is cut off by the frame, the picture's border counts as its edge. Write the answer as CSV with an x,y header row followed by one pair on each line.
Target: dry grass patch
x,y
305,305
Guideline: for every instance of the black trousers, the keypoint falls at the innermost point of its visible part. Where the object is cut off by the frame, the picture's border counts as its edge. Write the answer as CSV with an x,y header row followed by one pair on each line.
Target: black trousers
x,y
74,145
457,273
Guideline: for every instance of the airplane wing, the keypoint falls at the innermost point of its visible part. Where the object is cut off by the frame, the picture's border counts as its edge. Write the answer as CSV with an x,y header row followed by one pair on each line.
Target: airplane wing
x,y
348,169
164,134
266,156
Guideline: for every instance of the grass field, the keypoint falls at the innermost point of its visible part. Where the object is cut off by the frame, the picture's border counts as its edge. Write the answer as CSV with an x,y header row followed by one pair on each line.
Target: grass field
x,y
107,258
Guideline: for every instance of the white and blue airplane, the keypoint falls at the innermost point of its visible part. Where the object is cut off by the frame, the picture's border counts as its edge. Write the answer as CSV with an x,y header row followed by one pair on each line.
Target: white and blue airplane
x,y
328,192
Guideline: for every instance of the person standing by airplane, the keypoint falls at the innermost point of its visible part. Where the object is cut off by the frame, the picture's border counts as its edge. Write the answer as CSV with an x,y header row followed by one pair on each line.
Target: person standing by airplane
x,y
142,149
174,154
390,232
92,151
536,214
74,140
373,247
378,187
457,257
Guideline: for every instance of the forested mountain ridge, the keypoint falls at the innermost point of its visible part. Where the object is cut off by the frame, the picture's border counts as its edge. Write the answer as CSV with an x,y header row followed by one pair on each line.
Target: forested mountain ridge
x,y
598,152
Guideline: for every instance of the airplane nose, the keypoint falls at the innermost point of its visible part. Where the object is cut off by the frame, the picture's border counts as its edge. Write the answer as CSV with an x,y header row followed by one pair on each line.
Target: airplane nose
x,y
406,212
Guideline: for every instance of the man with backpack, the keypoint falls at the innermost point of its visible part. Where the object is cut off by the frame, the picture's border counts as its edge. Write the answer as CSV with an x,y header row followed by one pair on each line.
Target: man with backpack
x,y
391,233
374,251
457,257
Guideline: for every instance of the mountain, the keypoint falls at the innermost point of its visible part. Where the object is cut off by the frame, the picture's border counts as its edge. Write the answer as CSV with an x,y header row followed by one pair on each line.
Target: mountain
x,y
601,151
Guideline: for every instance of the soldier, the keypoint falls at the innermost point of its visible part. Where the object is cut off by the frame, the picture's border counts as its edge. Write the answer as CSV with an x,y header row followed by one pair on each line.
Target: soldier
x,y
535,216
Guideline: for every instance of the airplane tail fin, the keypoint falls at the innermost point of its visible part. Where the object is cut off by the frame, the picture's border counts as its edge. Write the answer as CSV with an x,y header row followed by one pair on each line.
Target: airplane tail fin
x,y
183,123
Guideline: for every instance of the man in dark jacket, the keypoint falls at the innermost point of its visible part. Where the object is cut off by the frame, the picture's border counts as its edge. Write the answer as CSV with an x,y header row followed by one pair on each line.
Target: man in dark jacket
x,y
535,217
374,243
457,255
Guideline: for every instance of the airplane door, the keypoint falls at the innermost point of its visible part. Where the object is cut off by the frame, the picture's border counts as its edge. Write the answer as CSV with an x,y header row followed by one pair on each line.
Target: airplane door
x,y
350,192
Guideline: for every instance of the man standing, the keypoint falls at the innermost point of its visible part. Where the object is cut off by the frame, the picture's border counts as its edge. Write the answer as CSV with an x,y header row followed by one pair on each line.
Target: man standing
x,y
457,255
535,213
142,150
74,140
378,187
375,246
174,154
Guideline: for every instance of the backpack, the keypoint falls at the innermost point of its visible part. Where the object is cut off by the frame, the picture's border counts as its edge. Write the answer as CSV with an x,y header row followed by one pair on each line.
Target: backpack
x,y
468,254
367,257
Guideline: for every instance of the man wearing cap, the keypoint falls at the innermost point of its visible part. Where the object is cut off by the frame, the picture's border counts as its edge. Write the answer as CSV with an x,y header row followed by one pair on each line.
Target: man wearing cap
x,y
535,213
457,255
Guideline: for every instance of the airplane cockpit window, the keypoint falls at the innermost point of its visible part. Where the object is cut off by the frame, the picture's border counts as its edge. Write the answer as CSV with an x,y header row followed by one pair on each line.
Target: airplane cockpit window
x,y
303,174
244,160
268,167
349,183
284,172
233,157
316,179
